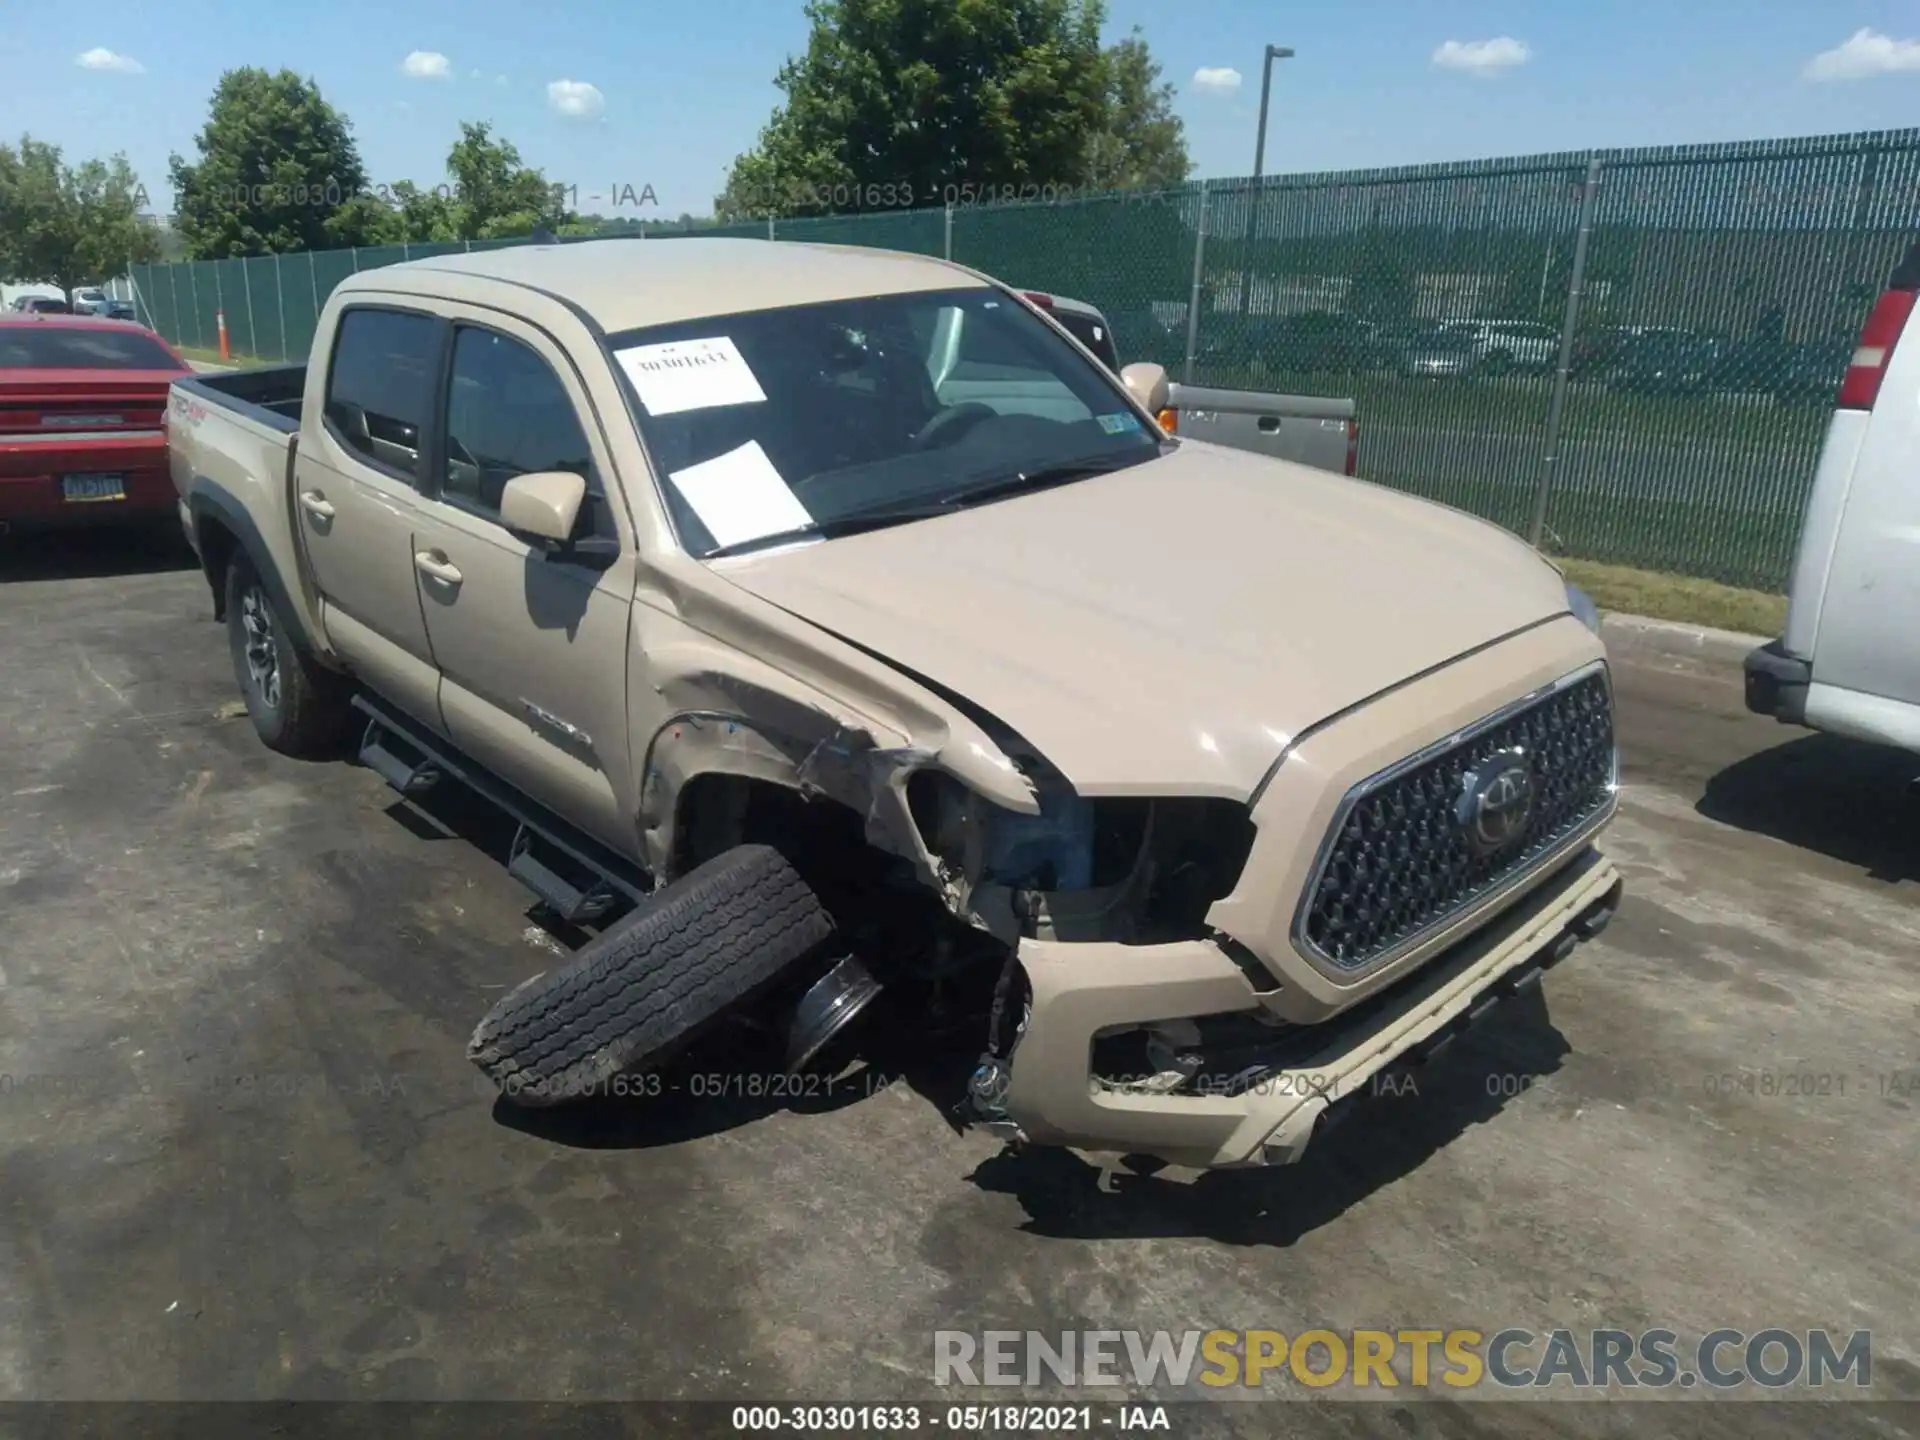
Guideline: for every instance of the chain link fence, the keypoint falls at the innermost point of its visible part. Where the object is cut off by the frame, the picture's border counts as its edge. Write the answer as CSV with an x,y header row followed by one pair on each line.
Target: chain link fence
x,y
1628,356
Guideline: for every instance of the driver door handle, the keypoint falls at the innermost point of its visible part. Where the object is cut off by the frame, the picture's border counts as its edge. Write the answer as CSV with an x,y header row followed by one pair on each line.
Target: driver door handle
x,y
435,567
316,505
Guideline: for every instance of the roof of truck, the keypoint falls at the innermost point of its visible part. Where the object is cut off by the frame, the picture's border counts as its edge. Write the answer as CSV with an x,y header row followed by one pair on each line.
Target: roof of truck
x,y
625,284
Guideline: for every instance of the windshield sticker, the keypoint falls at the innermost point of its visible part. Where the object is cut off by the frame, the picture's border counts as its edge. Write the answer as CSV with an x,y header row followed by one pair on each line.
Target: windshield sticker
x,y
739,496
1118,423
690,375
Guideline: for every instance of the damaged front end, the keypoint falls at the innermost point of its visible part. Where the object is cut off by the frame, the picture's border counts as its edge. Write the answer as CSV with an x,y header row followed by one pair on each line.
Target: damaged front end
x,y
1118,871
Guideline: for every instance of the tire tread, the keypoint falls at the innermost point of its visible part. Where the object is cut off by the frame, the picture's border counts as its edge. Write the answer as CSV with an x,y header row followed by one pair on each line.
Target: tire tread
x,y
691,951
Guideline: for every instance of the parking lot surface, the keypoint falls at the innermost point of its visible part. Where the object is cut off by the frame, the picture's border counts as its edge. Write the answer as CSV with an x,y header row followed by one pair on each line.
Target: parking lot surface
x,y
242,1155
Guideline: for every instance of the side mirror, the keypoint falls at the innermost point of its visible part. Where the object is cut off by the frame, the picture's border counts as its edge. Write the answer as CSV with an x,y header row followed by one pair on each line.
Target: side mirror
x,y
543,506
1147,383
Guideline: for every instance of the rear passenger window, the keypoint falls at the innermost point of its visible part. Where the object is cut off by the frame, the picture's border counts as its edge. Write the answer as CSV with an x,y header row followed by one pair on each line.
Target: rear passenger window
x,y
379,390
507,415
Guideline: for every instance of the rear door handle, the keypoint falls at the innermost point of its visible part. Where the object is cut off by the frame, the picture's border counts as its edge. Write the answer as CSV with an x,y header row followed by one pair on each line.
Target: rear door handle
x,y
316,505
436,567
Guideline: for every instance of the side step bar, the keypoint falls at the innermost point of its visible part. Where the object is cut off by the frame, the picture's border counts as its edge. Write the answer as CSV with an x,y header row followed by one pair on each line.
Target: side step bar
x,y
381,751
571,873
576,899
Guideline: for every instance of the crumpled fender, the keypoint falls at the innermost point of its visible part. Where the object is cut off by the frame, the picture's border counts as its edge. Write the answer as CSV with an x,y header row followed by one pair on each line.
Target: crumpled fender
x,y
733,713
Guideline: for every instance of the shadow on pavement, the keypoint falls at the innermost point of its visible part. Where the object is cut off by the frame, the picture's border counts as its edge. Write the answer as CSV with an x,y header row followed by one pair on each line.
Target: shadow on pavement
x,y
97,554
1387,1137
1842,798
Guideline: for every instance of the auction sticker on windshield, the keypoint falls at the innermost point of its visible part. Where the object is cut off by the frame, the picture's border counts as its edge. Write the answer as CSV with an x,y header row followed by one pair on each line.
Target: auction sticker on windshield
x,y
739,496
690,375
1118,423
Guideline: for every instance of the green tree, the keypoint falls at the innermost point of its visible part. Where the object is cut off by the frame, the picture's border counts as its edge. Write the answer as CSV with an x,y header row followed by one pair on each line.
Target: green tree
x,y
9,216
494,194
419,215
1141,143
69,225
894,101
278,170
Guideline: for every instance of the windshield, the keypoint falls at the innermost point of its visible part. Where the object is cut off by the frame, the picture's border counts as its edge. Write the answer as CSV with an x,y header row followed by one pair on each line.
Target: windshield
x,y
38,347
809,417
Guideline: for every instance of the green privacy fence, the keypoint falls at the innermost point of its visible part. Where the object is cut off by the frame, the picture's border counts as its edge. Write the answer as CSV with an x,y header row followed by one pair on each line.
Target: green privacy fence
x,y
1630,355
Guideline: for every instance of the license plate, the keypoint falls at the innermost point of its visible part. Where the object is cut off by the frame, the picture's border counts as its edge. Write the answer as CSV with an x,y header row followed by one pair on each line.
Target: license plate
x,y
87,489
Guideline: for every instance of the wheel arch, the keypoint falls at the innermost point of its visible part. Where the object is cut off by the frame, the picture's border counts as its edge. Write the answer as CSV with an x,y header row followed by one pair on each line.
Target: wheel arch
x,y
223,529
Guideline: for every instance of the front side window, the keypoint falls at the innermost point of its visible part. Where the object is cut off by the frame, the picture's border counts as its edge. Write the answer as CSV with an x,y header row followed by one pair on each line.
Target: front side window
x,y
1091,331
507,415
380,387
819,417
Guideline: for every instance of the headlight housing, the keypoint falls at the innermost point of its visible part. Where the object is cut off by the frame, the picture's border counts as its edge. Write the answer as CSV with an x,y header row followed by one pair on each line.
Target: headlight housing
x,y
1583,608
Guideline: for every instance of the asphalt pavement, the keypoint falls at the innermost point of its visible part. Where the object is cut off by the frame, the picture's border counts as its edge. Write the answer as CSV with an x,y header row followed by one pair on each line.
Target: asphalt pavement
x,y
242,1155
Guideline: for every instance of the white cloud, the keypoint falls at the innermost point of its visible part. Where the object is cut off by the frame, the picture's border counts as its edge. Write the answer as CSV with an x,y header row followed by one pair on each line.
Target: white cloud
x,y
501,81
575,99
1483,57
427,65
1867,53
473,75
101,58
1217,79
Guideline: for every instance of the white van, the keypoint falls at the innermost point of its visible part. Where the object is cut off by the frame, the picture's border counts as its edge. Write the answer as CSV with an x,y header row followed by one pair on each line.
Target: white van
x,y
1850,661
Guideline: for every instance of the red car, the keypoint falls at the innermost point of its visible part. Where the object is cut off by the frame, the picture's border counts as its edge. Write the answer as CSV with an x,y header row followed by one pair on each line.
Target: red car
x,y
82,401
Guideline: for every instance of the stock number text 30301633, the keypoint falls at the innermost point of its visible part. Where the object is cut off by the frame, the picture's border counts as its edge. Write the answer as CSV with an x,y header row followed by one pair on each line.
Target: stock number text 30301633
x,y
708,1085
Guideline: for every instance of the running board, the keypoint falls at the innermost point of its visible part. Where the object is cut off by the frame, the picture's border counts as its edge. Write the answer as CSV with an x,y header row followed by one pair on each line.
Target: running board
x,y
585,897
577,876
381,752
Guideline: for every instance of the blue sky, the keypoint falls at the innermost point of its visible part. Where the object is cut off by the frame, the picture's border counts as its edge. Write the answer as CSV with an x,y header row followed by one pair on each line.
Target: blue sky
x,y
645,93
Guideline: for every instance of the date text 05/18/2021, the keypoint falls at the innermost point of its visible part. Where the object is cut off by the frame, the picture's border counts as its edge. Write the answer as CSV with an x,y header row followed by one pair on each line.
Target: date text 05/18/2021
x,y
713,1085
959,1419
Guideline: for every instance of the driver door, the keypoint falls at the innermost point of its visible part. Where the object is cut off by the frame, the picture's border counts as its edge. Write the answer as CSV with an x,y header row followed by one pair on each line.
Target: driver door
x,y
532,647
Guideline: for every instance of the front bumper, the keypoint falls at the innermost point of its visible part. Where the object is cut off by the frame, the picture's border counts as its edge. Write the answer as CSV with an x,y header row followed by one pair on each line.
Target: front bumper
x,y
1081,990
1777,683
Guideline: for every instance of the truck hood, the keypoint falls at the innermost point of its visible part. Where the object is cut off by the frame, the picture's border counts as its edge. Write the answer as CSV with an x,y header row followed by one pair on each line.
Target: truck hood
x,y
1170,628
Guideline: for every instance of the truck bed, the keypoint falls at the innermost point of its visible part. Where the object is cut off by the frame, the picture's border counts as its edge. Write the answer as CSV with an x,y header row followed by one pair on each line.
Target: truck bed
x,y
269,394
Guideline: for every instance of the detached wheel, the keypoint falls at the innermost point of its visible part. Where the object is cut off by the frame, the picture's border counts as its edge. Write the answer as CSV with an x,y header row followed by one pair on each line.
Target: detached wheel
x,y
636,994
297,706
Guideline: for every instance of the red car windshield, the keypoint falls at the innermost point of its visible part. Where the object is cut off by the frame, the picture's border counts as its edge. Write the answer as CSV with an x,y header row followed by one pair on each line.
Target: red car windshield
x,y
49,347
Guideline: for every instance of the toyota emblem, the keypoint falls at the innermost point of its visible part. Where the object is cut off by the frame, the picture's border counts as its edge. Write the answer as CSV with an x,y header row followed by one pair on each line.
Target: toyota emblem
x,y
1496,800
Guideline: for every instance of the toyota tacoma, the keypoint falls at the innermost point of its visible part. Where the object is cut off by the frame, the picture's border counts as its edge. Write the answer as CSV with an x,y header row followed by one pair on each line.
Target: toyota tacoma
x,y
831,622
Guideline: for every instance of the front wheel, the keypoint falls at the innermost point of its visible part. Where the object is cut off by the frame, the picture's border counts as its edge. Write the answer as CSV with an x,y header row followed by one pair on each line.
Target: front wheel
x,y
297,706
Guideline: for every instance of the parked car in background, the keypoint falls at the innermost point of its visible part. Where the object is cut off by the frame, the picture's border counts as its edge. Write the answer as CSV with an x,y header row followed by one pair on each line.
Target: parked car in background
x,y
828,622
1502,347
41,305
89,300
81,430
1669,363
1319,341
1082,321
1438,351
1599,353
1849,661
121,310
1809,373
1311,430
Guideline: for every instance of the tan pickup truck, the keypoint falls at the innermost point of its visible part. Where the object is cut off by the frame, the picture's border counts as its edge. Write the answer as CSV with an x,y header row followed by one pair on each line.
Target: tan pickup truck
x,y
835,625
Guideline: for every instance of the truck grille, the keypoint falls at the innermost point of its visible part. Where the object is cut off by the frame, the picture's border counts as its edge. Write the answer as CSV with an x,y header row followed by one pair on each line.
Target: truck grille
x,y
1402,859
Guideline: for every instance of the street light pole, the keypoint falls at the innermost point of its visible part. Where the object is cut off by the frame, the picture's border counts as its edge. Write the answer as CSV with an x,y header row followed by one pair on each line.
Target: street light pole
x,y
1274,52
